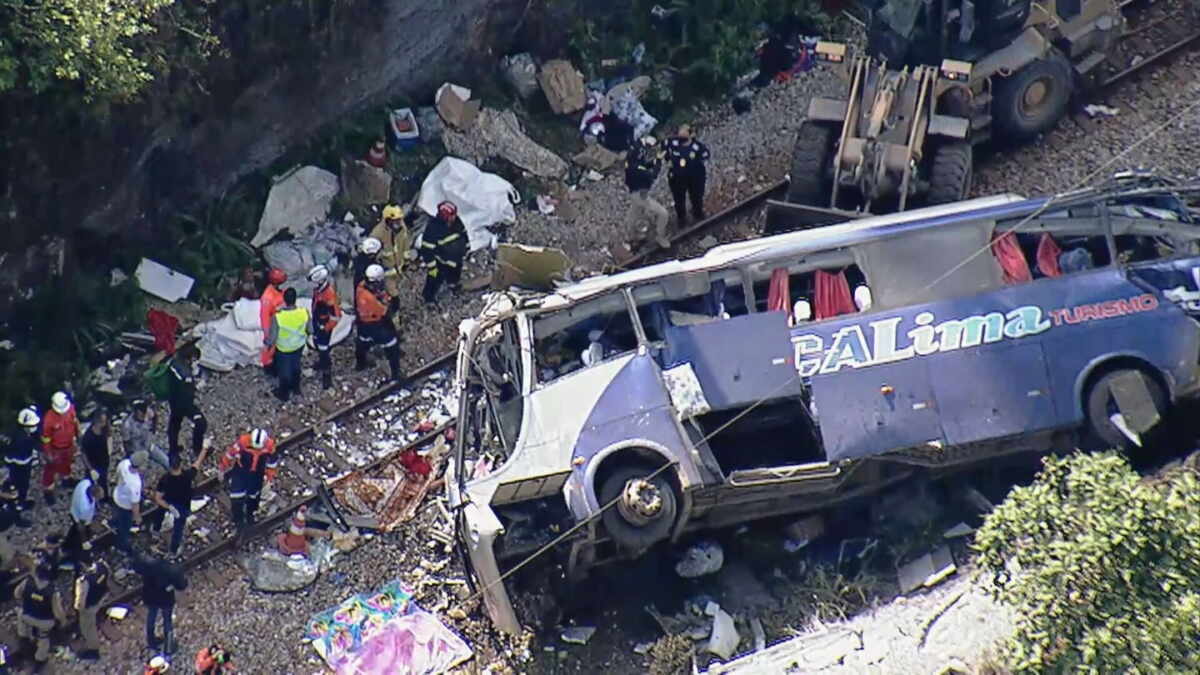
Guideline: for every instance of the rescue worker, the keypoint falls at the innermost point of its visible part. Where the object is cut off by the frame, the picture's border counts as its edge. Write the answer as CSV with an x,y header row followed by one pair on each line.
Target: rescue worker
x,y
642,165
392,233
10,515
246,463
443,247
91,593
373,309
181,388
272,298
687,173
288,334
326,312
41,607
368,254
214,660
21,453
60,431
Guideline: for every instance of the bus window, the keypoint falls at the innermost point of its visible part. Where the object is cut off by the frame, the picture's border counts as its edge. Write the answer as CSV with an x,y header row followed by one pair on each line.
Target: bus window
x,y
496,407
688,303
582,335
829,292
1140,248
1039,254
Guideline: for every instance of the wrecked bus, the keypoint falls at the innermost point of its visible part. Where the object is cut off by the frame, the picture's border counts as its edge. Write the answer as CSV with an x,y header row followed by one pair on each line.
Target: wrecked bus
x,y
747,383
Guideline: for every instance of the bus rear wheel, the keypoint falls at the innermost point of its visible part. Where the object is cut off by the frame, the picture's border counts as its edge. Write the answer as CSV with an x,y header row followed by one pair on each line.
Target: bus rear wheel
x,y
645,507
1101,405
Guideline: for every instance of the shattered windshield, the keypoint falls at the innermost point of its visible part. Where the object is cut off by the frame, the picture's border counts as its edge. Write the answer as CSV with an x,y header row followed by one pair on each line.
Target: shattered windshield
x,y
900,16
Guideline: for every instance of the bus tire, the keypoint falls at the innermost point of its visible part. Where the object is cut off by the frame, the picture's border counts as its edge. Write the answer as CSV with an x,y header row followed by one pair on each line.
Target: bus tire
x,y
637,527
1100,432
951,172
811,157
1033,99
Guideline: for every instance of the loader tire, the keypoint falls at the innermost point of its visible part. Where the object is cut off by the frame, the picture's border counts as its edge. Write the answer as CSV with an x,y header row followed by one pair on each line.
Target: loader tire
x,y
951,172
810,183
1033,99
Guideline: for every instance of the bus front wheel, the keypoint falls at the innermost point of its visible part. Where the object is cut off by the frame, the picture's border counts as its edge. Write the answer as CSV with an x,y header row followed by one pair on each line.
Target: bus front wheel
x,y
1102,432
644,510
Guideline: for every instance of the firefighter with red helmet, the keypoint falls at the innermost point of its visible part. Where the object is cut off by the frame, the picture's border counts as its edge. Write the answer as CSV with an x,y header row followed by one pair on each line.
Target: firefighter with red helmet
x,y
269,303
443,247
246,464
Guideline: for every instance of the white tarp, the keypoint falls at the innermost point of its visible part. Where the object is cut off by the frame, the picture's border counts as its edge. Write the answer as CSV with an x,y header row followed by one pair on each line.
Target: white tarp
x,y
162,281
483,199
295,202
236,339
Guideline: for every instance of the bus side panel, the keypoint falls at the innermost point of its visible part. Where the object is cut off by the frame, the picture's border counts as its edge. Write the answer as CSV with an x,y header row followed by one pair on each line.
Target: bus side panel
x,y
875,410
994,391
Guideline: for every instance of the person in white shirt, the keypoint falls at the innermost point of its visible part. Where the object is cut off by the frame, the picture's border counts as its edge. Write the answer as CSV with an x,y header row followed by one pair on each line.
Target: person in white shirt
x,y
83,502
128,497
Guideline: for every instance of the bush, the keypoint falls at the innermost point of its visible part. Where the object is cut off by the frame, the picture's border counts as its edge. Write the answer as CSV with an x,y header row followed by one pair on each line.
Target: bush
x,y
1102,566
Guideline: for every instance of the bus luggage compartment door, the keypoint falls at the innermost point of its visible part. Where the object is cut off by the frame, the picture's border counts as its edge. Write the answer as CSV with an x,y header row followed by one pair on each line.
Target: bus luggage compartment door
x,y
992,391
877,409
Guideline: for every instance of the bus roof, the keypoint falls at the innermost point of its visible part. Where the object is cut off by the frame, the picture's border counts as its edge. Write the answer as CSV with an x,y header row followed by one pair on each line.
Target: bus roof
x,y
808,241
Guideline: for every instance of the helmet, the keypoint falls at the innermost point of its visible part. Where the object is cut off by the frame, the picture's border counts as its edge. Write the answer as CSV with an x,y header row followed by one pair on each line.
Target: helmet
x,y
158,665
318,274
374,272
370,245
447,210
60,402
392,212
649,141
29,417
276,276
258,438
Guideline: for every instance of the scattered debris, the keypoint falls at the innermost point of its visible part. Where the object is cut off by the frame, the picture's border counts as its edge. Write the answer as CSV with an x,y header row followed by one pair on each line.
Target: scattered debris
x,y
642,648
760,635
499,133
117,612
275,573
926,571
406,131
117,276
959,530
708,241
162,281
483,199
805,653
704,557
521,73
724,638
578,635
593,175
806,529
546,205
455,106
297,200
596,157
363,184
563,86
430,124
1093,110
976,499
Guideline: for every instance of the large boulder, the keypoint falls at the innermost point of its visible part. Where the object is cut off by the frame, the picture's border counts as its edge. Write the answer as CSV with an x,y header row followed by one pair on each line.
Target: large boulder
x,y
498,133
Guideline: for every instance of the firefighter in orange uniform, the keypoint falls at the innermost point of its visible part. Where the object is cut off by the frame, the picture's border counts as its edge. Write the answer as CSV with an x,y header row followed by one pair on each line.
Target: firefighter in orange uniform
x,y
326,311
246,464
374,308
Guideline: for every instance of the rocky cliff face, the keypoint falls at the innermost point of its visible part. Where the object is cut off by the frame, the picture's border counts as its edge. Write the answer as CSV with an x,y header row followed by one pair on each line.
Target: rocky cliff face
x,y
148,160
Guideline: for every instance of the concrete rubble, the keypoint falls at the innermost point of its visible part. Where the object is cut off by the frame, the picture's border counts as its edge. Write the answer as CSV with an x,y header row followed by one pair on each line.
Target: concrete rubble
x,y
704,557
498,133
724,639
927,570
520,72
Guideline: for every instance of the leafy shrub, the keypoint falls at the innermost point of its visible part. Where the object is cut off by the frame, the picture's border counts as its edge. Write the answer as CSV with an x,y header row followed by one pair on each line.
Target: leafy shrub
x,y
1102,566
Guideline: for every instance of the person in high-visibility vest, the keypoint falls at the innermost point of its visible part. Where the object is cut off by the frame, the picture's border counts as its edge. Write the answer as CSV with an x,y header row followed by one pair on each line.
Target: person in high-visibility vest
x,y
326,312
373,308
268,304
289,332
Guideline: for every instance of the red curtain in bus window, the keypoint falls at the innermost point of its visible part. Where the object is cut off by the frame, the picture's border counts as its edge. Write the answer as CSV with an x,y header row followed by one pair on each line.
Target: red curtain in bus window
x,y
1012,260
779,298
1047,256
832,296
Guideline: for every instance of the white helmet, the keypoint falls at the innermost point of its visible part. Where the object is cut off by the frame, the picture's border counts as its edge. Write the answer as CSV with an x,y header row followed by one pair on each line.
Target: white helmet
x,y
374,272
649,141
370,246
28,417
258,438
318,274
60,402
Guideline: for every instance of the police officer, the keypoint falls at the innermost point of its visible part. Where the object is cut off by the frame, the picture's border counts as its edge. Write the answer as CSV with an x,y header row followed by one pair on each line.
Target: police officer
x,y
21,453
41,606
246,463
443,247
642,165
181,388
289,332
91,593
326,311
373,311
368,254
9,516
687,173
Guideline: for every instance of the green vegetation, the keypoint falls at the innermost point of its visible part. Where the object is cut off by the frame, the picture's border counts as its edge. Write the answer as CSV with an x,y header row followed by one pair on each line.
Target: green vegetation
x,y
1102,566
